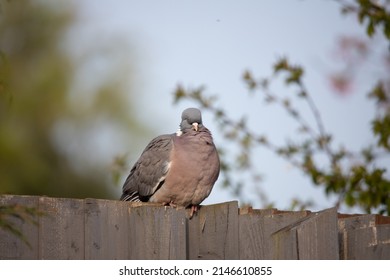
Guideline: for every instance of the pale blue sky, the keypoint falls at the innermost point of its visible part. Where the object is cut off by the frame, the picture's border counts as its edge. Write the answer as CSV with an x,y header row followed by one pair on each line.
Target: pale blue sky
x,y
211,43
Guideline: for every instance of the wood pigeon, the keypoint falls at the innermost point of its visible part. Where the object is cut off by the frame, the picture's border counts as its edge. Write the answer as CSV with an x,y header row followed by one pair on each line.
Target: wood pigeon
x,y
177,169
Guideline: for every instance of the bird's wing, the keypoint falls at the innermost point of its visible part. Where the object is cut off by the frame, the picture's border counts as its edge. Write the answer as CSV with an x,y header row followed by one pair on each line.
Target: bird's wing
x,y
149,172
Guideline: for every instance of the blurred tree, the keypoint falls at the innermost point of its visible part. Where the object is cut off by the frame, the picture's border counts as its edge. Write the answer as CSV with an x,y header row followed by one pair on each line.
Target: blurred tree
x,y
49,129
358,178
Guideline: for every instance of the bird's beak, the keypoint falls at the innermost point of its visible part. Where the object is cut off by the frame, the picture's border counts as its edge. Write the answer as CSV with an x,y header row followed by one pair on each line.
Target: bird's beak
x,y
195,126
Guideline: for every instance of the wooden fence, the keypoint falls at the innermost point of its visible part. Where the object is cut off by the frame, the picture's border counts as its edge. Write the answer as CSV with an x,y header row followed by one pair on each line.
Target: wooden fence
x,y
108,229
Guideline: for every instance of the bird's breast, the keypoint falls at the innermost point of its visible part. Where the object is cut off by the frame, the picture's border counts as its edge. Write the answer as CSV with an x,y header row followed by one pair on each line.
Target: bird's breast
x,y
193,171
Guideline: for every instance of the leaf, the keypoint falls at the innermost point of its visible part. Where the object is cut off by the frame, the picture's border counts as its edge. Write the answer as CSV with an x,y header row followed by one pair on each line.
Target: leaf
x,y
295,75
386,28
361,16
243,160
248,79
281,64
381,128
246,141
179,93
349,199
368,154
371,28
358,173
379,93
339,155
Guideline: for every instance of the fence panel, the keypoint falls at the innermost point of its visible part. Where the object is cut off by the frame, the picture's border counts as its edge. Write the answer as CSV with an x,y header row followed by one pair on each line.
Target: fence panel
x,y
107,229
213,232
12,247
364,237
256,228
157,232
61,228
312,237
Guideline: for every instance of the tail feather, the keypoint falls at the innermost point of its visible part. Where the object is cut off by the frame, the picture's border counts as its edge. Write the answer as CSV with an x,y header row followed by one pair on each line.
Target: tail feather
x,y
130,197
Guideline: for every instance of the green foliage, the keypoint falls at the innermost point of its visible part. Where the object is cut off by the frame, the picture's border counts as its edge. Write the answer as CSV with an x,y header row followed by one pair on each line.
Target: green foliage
x,y
370,12
294,73
10,214
381,123
357,178
47,122
381,128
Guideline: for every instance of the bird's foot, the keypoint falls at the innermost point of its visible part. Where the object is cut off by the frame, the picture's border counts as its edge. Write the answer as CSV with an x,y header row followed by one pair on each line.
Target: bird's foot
x,y
170,204
194,209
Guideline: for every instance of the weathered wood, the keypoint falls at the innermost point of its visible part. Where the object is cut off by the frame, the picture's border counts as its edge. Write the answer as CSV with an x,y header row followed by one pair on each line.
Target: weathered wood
x,y
157,232
381,245
362,220
313,237
213,232
371,243
360,238
106,229
317,237
12,247
364,237
61,228
285,244
348,223
262,212
256,228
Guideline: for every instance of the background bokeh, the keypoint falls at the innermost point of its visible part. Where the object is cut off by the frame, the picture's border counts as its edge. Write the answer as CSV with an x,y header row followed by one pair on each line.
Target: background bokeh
x,y
85,85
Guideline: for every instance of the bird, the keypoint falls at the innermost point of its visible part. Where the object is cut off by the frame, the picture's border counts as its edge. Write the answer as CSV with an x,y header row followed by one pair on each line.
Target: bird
x,y
178,169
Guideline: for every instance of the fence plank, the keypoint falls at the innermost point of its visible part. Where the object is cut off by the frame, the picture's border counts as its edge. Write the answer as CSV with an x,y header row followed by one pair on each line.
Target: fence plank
x,y
313,237
61,228
213,232
317,237
256,228
364,236
157,232
381,250
106,229
367,243
348,223
12,247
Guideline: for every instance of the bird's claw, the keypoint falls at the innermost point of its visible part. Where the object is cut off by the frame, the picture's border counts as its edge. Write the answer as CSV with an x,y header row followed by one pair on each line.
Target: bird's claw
x,y
194,209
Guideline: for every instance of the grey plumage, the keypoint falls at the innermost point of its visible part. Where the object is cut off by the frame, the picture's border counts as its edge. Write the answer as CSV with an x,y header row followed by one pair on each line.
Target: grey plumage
x,y
176,169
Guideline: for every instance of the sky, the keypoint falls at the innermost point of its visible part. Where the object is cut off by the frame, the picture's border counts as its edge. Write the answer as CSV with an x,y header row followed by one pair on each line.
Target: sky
x,y
211,43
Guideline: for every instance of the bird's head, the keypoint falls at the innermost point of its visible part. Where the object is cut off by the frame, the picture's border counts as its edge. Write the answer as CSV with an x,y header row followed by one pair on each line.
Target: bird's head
x,y
191,119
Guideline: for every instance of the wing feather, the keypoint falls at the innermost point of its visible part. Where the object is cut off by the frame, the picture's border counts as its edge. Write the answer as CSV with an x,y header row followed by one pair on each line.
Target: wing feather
x,y
149,172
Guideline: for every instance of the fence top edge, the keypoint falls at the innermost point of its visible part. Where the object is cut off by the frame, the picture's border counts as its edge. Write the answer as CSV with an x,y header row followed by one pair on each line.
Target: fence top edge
x,y
246,210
